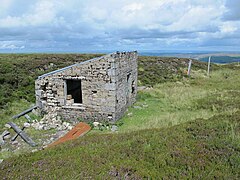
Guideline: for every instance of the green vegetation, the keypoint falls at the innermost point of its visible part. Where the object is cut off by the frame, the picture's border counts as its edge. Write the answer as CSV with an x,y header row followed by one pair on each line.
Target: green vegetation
x,y
179,128
200,149
155,70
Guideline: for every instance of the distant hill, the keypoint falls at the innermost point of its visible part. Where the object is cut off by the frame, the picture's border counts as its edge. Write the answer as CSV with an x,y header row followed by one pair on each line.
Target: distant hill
x,y
221,59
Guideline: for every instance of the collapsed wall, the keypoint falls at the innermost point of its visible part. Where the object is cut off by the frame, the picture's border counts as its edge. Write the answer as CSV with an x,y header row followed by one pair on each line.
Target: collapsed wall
x,y
99,89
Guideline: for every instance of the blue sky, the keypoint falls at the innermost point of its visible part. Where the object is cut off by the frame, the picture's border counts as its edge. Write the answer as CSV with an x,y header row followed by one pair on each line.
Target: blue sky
x,y
99,25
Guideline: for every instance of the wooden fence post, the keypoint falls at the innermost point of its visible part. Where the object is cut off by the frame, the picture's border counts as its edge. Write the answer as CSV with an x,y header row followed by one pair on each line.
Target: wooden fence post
x,y
189,67
209,62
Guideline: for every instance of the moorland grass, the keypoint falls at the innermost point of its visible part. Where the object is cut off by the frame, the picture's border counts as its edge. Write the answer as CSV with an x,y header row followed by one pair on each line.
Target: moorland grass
x,y
173,103
201,149
184,128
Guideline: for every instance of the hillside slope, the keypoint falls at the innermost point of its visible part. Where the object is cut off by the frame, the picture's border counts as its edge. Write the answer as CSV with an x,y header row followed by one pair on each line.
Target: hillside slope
x,y
180,127
201,149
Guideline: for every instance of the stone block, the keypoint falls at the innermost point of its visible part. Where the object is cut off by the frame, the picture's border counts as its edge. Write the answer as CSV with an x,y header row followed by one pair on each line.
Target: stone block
x,y
69,97
114,65
69,101
50,104
110,86
111,72
39,92
61,102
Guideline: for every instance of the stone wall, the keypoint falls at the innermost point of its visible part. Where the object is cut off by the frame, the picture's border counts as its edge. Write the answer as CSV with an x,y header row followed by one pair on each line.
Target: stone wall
x,y
126,82
104,88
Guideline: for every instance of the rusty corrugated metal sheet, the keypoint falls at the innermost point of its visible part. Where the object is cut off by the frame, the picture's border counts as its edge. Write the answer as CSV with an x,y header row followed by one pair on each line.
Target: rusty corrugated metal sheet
x,y
79,130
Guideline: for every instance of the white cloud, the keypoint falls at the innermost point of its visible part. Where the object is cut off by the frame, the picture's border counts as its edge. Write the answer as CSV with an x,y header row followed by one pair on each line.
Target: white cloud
x,y
5,5
233,12
11,45
133,7
198,18
41,13
10,21
228,27
120,23
167,15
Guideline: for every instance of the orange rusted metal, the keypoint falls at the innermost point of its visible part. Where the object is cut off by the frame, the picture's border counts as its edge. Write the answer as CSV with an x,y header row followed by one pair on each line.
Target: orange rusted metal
x,y
79,130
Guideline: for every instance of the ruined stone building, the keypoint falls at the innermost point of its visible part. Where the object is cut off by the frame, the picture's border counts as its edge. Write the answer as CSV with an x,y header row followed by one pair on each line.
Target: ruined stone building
x,y
99,89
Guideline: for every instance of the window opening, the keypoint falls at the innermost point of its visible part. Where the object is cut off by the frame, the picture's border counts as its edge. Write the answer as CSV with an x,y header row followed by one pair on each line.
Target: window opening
x,y
74,89
128,76
133,86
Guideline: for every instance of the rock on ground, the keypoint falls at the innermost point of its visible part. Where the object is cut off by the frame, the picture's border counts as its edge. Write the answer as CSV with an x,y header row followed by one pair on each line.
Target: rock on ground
x,y
1,140
114,128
